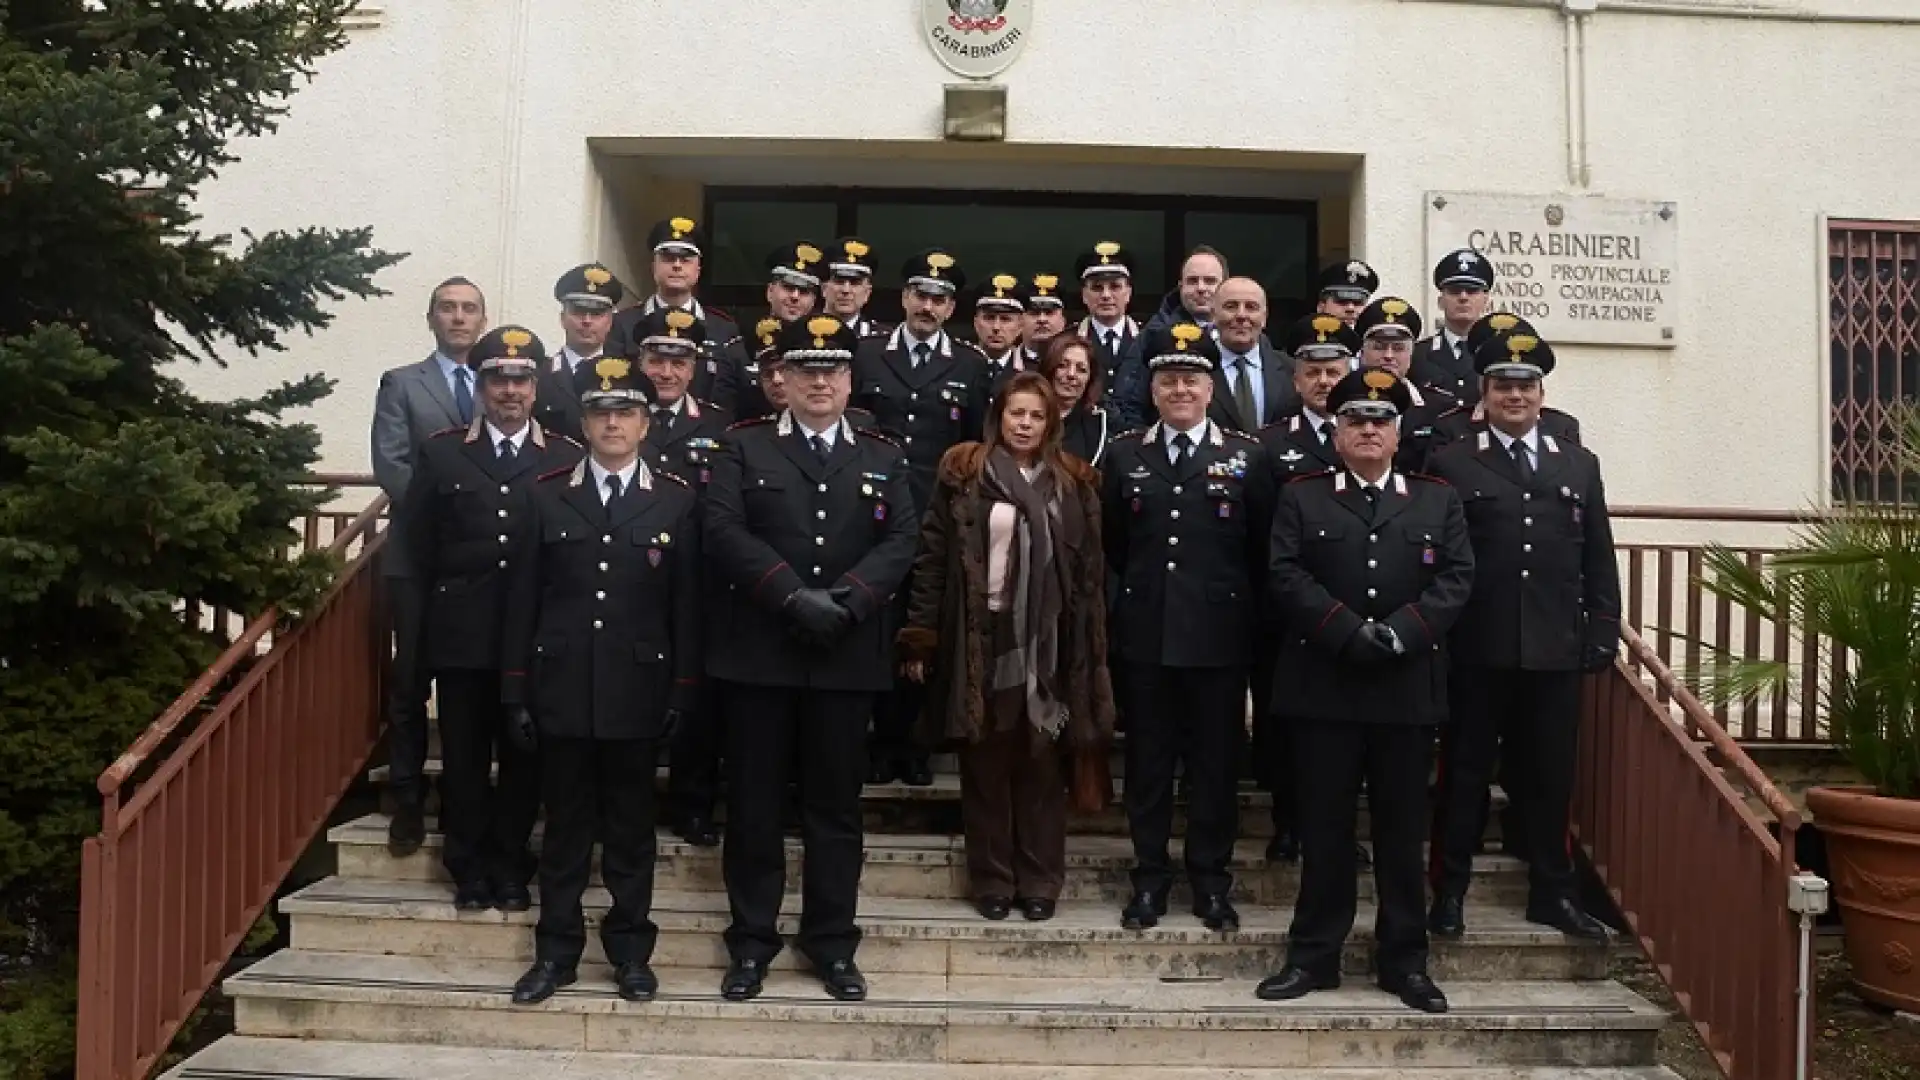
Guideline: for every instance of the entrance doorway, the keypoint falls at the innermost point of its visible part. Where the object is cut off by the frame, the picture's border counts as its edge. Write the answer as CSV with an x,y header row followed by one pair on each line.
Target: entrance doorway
x,y
1273,241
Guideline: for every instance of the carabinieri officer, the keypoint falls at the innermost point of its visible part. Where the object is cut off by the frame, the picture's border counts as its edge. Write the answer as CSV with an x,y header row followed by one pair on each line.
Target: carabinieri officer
x,y
811,528
601,660
1371,567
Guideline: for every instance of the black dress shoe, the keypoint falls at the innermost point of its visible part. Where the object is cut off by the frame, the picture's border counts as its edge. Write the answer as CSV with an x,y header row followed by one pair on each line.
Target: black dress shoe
x,y
743,979
1037,909
472,896
540,981
843,980
407,830
699,831
1416,991
1566,916
1293,982
635,981
1283,847
1217,912
1143,911
917,772
1448,918
512,896
881,770
993,907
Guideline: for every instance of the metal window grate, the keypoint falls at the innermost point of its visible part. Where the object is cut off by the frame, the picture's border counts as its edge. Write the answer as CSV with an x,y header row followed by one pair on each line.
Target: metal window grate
x,y
1873,289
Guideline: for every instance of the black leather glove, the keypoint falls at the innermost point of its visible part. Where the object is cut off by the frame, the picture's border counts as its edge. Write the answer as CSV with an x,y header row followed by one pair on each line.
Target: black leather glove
x,y
840,594
670,724
1596,658
521,730
1368,645
815,617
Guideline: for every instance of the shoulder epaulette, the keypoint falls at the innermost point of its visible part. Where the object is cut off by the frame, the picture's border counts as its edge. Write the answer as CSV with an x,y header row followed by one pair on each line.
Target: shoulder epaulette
x,y
1459,407
730,341
1131,433
1232,433
969,347
713,309
554,436
1320,475
752,421
1428,477
545,476
662,474
877,436
457,429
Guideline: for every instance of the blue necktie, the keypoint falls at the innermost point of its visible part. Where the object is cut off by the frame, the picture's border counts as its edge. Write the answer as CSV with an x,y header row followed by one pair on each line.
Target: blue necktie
x,y
463,394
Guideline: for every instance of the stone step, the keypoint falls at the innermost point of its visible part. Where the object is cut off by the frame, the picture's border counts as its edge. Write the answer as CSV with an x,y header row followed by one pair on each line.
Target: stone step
x,y
244,1057
930,937
918,866
936,1018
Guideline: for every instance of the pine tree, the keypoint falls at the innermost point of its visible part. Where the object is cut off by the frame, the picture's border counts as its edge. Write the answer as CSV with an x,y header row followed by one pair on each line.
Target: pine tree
x,y
122,493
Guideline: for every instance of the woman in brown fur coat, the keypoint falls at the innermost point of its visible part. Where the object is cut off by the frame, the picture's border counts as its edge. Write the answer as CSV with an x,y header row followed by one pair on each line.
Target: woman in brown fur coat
x,y
1007,625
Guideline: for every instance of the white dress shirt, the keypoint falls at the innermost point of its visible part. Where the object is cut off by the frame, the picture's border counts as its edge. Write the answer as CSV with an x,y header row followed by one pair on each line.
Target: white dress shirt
x,y
600,475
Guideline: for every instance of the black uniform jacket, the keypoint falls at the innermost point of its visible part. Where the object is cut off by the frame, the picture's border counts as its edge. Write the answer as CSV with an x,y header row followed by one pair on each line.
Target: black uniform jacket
x,y
1189,542
942,403
1545,581
556,403
466,513
1464,421
1419,429
779,519
716,375
1295,449
1340,563
1105,362
1085,432
1435,367
688,446
603,630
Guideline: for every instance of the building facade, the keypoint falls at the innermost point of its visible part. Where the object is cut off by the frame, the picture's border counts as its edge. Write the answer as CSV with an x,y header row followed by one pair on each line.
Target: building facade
x,y
510,139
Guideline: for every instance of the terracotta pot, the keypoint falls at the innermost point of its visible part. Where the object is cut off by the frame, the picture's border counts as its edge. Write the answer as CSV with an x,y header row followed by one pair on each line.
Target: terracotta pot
x,y
1873,845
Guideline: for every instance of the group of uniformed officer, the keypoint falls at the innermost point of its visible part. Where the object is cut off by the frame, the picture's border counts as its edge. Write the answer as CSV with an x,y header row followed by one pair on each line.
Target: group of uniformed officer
x,y
720,571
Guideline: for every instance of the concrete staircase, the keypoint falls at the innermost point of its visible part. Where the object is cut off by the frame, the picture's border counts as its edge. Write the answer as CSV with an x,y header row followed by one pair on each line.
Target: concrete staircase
x,y
385,981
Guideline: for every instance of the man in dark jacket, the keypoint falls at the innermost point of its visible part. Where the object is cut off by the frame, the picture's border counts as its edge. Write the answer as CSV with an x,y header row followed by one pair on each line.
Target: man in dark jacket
x,y
678,247
811,528
465,514
1370,566
1445,360
587,294
601,659
1192,302
1545,608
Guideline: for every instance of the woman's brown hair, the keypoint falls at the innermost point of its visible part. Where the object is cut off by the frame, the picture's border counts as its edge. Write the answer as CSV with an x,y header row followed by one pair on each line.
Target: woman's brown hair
x,y
1056,355
1028,382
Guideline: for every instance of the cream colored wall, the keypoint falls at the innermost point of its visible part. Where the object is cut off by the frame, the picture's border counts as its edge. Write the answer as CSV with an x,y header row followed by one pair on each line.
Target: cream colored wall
x,y
428,128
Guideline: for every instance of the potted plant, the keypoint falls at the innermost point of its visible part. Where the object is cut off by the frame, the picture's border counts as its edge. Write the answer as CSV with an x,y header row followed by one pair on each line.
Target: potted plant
x,y
1852,576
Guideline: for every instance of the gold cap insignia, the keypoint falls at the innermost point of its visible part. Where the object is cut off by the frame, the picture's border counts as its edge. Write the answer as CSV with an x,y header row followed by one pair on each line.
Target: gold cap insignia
x,y
677,321
1106,249
1377,380
856,249
1324,325
515,340
610,368
1046,283
804,254
1503,322
1521,344
1185,334
939,261
766,330
596,276
822,327
1003,282
1393,309
681,227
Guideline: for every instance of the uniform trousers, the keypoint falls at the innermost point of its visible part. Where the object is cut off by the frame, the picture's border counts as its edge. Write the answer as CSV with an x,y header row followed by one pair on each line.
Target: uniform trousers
x,y
896,717
1272,740
1194,717
1013,806
407,688
1530,722
693,775
772,732
1331,759
487,824
597,790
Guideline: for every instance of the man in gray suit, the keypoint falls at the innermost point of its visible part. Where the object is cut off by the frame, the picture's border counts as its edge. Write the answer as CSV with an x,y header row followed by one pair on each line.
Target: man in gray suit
x,y
415,401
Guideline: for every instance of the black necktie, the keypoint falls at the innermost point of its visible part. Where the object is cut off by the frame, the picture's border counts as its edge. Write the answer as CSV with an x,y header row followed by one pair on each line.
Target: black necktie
x,y
663,416
1184,445
1243,402
613,488
1521,459
920,353
820,448
1326,434
506,450
463,393
1113,341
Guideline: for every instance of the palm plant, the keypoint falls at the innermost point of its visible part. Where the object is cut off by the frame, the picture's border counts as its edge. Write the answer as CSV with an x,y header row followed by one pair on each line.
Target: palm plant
x,y
1852,576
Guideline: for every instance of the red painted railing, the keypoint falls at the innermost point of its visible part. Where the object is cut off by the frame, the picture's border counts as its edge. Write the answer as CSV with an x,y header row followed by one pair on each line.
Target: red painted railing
x,y
204,815
1668,825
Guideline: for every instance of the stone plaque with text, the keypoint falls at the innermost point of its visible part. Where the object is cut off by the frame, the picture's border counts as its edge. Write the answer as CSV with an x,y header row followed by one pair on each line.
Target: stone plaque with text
x,y
1583,270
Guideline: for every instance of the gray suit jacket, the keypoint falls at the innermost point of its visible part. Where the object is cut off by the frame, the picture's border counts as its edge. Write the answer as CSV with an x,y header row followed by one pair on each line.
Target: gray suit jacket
x,y
414,402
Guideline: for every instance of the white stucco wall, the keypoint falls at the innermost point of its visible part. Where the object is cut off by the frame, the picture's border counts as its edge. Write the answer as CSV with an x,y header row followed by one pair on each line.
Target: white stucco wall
x,y
460,130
